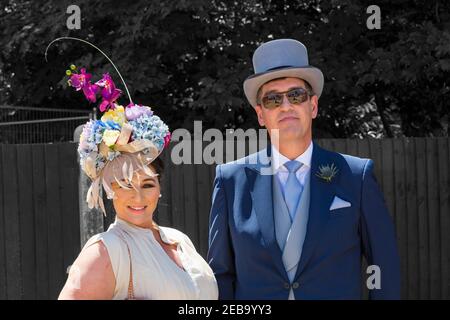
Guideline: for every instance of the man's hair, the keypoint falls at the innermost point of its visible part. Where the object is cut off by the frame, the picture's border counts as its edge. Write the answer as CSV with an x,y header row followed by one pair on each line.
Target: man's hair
x,y
307,86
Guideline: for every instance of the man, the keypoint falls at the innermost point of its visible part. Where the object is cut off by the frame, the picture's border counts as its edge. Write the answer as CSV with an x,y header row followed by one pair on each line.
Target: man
x,y
300,231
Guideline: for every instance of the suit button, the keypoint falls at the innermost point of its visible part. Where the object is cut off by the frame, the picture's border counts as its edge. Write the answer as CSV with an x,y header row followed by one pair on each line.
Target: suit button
x,y
287,286
295,285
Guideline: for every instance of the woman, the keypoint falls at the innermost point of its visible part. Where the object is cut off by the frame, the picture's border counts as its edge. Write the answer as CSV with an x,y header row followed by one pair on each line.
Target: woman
x,y
135,258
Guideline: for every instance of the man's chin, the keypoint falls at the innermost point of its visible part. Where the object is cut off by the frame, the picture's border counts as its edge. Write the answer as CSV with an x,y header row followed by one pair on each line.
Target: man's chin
x,y
292,133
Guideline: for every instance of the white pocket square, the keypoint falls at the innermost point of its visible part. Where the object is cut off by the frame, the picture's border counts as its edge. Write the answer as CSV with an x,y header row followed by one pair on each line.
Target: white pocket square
x,y
338,203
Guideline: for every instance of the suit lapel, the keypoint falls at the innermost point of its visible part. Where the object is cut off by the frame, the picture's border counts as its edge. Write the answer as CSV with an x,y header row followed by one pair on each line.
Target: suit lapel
x,y
260,184
321,196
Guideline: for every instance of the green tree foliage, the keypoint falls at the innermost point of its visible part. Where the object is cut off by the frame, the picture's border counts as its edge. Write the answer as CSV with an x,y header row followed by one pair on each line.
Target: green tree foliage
x,y
188,59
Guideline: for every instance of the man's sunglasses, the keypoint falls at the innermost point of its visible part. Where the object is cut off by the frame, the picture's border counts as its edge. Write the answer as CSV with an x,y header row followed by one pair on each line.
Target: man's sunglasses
x,y
275,99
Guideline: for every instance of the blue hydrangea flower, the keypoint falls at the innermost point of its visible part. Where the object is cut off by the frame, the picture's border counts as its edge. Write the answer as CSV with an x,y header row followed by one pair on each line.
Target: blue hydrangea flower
x,y
151,128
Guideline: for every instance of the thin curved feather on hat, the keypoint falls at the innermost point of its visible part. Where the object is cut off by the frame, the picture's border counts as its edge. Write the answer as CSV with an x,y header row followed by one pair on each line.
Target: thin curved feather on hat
x,y
139,157
119,182
89,198
125,172
102,206
144,165
149,172
93,194
96,192
130,172
89,165
108,190
94,198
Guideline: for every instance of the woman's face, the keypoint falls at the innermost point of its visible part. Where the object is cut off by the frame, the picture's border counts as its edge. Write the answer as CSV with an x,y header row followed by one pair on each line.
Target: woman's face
x,y
137,203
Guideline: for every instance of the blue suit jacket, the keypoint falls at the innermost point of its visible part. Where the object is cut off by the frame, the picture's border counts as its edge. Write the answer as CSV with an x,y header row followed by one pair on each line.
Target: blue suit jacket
x,y
243,251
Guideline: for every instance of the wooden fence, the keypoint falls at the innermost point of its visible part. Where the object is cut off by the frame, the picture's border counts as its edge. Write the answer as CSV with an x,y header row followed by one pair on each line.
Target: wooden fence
x,y
39,219
39,226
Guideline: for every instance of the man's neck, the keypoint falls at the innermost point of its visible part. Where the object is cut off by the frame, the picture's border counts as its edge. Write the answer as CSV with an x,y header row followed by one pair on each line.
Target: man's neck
x,y
293,149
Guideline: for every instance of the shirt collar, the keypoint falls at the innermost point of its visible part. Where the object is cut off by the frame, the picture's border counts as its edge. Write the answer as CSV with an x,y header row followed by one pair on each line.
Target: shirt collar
x,y
279,159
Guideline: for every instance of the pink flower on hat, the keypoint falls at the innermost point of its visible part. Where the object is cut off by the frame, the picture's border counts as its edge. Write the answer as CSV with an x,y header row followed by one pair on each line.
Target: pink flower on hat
x,y
82,81
167,139
109,92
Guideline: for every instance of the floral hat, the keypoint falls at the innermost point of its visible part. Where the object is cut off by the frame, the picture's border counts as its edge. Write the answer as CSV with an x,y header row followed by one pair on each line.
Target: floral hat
x,y
121,131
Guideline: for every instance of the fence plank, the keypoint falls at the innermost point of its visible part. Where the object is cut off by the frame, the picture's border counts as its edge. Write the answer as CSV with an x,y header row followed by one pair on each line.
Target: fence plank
x,y
190,211
55,238
400,209
444,205
203,198
11,218
375,154
339,145
40,214
68,181
363,149
177,196
434,223
388,175
27,225
164,217
412,257
423,219
351,147
3,288
325,143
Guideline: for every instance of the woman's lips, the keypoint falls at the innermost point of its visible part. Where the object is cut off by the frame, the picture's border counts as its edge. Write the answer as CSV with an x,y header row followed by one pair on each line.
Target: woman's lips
x,y
137,209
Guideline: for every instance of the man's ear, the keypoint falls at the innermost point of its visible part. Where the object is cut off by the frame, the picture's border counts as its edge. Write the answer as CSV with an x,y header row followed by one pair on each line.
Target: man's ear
x,y
258,110
314,106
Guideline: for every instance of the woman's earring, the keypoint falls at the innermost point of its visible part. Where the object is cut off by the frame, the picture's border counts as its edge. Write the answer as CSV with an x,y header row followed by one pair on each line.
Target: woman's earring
x,y
160,195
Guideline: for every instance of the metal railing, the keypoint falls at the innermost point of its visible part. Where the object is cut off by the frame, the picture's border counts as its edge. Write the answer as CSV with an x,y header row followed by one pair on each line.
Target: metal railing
x,y
20,124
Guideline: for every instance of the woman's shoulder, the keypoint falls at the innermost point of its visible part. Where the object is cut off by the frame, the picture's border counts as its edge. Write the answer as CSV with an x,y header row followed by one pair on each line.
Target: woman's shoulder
x,y
109,237
116,251
94,255
90,276
101,257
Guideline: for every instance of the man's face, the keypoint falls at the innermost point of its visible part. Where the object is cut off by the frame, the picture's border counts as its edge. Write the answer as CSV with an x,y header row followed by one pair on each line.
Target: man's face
x,y
293,121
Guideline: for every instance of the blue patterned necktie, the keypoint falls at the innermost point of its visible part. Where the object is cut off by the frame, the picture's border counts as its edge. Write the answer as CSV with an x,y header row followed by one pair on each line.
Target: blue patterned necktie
x,y
293,188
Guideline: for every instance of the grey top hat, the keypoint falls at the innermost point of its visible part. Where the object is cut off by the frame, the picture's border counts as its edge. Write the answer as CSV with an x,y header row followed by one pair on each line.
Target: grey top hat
x,y
278,59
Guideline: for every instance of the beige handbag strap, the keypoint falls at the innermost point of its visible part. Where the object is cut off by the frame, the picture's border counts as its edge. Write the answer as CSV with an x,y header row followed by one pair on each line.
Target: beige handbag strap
x,y
130,283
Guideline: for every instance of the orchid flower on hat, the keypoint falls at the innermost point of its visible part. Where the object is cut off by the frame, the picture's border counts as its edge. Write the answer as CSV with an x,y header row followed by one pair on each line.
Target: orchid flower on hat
x,y
82,81
109,92
119,127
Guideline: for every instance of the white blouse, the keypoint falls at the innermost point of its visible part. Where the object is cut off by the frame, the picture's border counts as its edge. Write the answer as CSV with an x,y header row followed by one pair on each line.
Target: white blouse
x,y
155,274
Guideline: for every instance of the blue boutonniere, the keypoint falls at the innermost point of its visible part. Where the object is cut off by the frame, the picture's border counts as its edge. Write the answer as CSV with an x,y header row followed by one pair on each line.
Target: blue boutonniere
x,y
327,172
